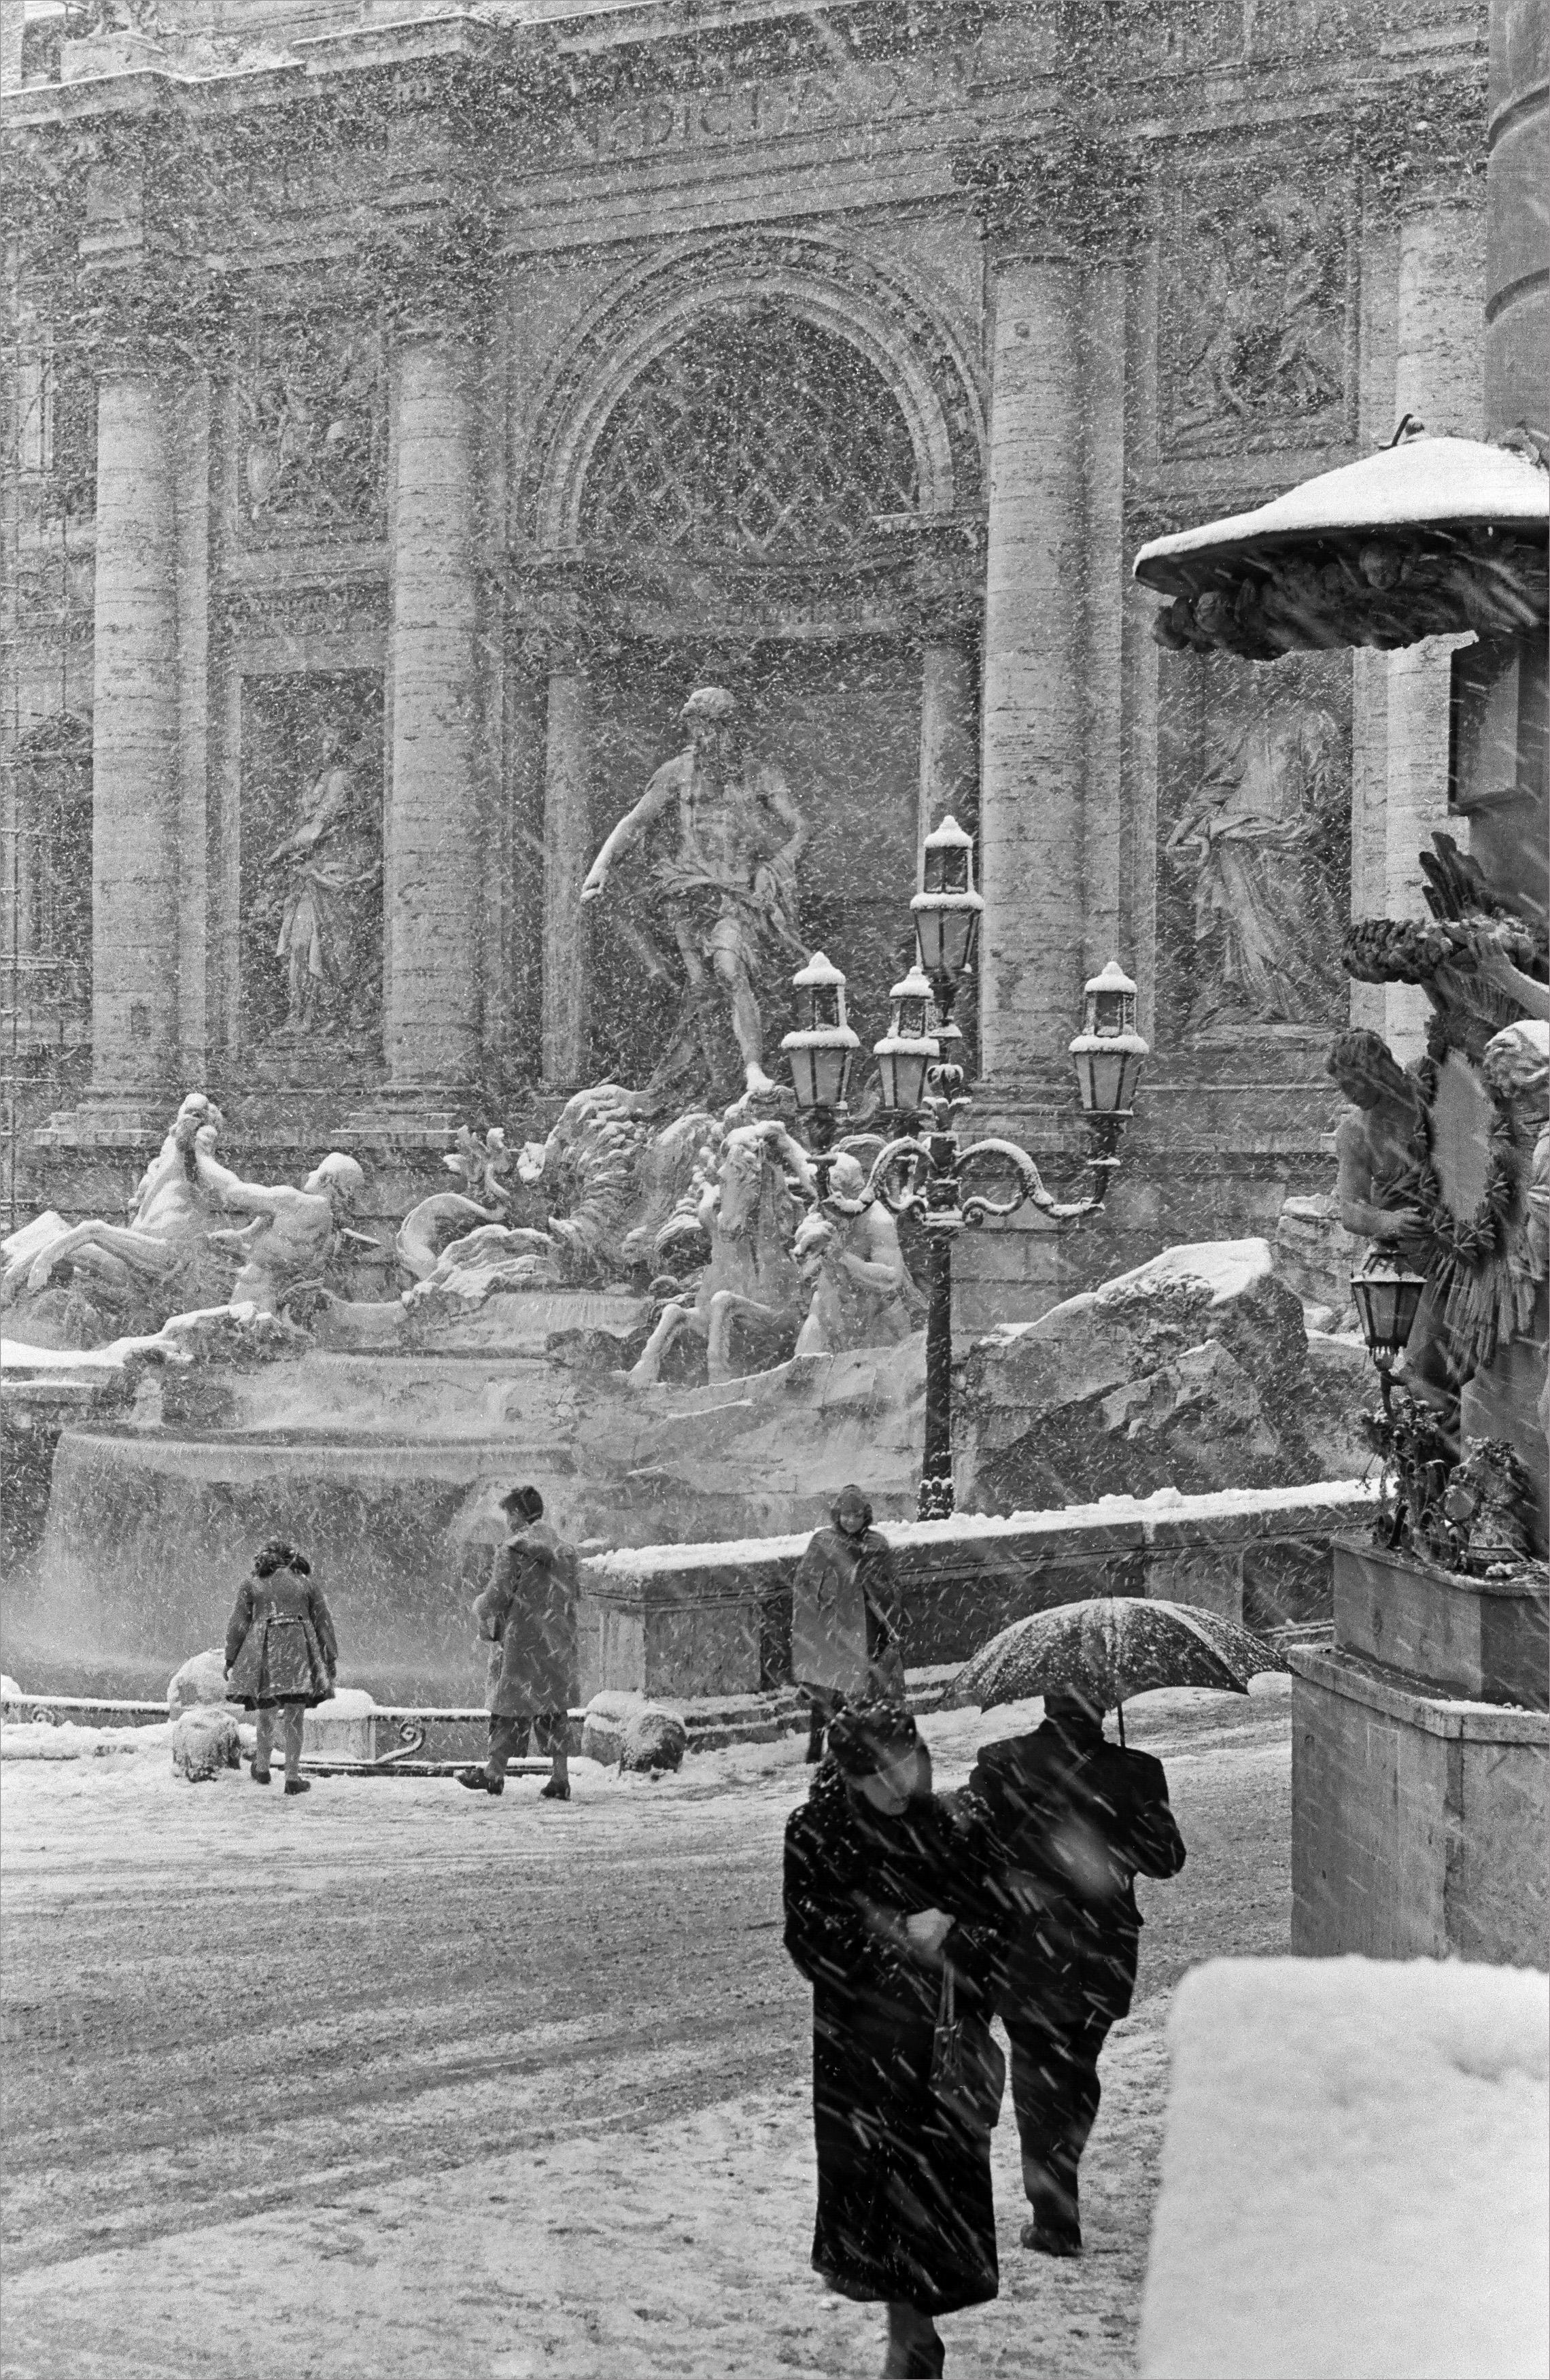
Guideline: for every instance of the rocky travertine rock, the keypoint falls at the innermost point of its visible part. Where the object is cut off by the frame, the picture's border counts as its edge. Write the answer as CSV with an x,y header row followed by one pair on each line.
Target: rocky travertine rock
x,y
1315,1256
1194,1371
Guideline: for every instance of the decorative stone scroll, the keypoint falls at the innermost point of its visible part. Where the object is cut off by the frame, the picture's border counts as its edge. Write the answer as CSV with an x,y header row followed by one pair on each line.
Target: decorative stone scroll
x,y
1081,193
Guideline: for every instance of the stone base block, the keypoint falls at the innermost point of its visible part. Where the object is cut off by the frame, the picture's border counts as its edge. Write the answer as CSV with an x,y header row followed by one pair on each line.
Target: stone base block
x,y
1418,1823
1487,1639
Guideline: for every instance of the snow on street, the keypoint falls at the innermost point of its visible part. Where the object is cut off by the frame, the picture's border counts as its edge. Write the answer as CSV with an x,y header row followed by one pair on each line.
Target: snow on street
x,y
397,2079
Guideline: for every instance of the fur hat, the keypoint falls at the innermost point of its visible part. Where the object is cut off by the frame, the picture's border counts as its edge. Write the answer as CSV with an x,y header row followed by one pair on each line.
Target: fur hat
x,y
523,1503
864,1734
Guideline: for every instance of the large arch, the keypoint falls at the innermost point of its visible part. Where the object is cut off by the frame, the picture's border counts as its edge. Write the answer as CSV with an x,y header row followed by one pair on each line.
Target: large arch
x,y
841,294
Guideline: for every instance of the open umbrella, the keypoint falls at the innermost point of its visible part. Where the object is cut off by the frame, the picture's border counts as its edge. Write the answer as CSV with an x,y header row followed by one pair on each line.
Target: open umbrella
x,y
1113,1646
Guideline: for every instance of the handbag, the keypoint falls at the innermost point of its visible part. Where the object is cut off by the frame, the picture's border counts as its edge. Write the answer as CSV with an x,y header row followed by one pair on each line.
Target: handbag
x,y
968,2070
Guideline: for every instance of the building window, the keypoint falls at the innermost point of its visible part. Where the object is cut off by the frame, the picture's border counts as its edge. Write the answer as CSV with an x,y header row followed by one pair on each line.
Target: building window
x,y
758,435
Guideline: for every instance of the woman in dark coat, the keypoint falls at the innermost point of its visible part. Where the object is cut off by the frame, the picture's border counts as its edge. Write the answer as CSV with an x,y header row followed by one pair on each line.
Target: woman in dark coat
x,y
281,1652
886,1893
846,1632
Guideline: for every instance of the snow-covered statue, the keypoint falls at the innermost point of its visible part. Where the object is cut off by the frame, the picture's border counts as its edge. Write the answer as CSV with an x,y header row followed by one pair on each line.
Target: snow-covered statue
x,y
132,1275
724,837
847,1251
749,1208
294,1236
596,1194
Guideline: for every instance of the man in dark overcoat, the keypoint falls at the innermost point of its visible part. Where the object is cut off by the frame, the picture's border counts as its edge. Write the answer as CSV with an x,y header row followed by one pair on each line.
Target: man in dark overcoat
x,y
526,1614
1075,1819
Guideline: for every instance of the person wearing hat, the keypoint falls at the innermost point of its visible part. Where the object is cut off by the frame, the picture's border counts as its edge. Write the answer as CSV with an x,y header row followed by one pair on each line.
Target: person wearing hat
x,y
1074,1819
845,1636
281,1654
527,1616
893,1915
727,884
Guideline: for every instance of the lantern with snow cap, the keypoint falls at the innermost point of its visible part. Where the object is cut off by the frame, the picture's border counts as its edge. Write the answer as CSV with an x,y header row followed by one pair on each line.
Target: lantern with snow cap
x,y
907,1049
821,1051
947,908
1108,1052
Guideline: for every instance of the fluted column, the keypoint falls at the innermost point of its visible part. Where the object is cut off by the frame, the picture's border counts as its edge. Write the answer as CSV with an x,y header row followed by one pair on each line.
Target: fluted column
x,y
135,760
432,854
567,855
1438,378
1044,211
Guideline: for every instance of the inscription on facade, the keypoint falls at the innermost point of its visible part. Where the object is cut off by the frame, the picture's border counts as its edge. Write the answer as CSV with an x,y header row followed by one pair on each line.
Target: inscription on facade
x,y
861,92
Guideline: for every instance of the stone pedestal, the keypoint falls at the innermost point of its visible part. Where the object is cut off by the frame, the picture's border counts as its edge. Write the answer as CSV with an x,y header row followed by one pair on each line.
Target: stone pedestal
x,y
1418,1808
135,742
431,855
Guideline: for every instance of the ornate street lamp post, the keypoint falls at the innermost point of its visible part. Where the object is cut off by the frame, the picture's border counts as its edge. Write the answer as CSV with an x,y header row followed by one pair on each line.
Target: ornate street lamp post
x,y
927,1173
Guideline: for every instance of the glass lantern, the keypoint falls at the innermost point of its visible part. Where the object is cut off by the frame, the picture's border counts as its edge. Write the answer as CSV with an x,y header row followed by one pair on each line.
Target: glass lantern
x,y
947,908
1388,1303
822,1052
906,1049
1108,1052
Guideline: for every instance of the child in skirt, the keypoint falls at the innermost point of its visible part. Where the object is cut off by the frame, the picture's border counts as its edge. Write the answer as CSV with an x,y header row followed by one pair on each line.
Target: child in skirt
x,y
281,1652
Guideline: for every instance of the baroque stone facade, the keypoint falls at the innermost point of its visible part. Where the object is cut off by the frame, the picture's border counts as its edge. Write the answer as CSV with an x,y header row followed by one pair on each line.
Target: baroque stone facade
x,y
409,415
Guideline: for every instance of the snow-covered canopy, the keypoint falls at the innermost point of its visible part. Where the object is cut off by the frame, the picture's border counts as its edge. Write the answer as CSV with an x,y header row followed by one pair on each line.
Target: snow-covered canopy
x,y
1434,535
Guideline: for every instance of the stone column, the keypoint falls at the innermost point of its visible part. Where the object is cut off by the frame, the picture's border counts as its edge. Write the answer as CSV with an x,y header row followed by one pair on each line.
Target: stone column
x,y
134,758
567,855
948,732
1438,378
1040,209
432,857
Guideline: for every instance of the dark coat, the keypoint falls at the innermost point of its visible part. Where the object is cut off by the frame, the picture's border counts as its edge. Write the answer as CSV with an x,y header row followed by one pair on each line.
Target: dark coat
x,y
280,1643
845,1622
528,1611
904,2199
1076,1818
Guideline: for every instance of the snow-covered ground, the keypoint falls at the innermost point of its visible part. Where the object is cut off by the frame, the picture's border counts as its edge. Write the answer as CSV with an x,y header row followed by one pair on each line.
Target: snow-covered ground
x,y
392,2079
1355,2176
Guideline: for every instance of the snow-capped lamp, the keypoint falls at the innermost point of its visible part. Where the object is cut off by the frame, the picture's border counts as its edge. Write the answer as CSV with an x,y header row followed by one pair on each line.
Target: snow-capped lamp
x,y
947,908
1108,1052
907,1049
821,1051
1386,1304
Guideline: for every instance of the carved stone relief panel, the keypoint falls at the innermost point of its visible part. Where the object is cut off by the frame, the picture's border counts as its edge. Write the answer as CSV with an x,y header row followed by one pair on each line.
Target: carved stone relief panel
x,y
1254,861
1256,311
312,431
310,875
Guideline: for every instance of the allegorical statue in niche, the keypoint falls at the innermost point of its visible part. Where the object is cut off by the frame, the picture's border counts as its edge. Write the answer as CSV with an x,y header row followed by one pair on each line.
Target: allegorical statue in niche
x,y
723,877
1261,837
331,864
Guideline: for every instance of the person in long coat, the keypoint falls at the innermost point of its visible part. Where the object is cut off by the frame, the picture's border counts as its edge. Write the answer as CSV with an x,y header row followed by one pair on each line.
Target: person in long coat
x,y
886,1895
846,1635
527,1616
1074,1819
282,1654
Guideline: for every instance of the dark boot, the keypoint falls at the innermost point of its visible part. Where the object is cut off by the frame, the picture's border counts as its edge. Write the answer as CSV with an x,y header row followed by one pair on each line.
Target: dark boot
x,y
554,1791
297,1785
1055,2230
480,1780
